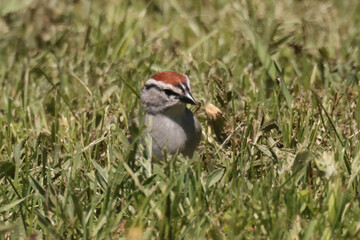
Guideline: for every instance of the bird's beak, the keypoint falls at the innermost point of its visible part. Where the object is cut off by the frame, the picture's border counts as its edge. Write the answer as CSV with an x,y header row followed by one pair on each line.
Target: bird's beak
x,y
188,98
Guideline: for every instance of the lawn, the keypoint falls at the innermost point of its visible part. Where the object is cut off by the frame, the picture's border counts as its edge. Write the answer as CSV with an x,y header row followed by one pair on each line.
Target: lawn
x,y
279,156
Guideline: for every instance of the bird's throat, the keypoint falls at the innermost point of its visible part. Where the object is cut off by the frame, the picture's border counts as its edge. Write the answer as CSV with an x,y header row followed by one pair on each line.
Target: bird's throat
x,y
175,110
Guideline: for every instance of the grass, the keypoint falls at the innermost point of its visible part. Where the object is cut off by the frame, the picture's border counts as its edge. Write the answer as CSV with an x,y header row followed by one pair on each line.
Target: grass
x,y
284,165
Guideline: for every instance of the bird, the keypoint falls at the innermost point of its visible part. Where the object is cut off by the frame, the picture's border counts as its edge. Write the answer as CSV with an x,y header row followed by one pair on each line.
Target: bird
x,y
172,125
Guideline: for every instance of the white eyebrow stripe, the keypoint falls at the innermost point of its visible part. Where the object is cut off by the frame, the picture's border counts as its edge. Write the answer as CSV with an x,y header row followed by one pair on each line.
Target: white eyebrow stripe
x,y
184,87
187,81
163,85
152,81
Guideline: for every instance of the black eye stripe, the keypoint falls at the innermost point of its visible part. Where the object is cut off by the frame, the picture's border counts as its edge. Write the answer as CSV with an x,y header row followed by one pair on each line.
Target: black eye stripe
x,y
167,91
151,86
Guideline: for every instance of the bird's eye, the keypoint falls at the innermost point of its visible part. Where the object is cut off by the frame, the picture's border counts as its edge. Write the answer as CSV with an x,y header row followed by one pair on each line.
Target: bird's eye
x,y
170,93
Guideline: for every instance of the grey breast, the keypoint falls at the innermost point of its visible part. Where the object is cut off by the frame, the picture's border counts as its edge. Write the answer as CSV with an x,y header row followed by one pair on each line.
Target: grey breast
x,y
180,134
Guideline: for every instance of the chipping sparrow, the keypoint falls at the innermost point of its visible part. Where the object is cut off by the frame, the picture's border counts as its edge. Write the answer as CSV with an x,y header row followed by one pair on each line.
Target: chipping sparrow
x,y
174,126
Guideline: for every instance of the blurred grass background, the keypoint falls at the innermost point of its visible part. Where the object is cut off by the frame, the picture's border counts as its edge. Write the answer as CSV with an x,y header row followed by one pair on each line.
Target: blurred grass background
x,y
285,75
